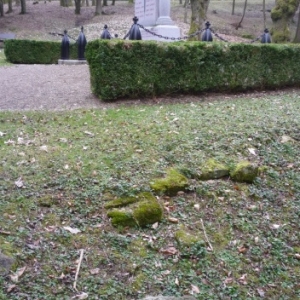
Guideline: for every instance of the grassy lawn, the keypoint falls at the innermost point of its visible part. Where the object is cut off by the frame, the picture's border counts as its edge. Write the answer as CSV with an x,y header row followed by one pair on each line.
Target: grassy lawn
x,y
58,170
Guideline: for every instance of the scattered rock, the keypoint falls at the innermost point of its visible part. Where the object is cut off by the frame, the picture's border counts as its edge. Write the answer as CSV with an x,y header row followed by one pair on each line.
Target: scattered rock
x,y
6,263
173,183
213,170
142,210
189,244
244,172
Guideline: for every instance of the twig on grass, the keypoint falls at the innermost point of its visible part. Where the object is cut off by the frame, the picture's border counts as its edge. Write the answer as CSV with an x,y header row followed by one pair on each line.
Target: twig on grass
x,y
78,268
210,246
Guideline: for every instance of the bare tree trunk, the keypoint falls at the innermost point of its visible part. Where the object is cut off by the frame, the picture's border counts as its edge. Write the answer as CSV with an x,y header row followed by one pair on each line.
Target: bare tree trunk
x,y
1,8
233,7
264,12
77,7
199,9
185,12
282,14
18,3
104,2
297,36
113,2
23,7
10,10
98,10
244,12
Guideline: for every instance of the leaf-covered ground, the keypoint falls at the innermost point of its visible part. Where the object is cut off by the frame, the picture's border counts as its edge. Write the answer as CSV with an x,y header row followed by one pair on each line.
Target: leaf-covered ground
x,y
58,169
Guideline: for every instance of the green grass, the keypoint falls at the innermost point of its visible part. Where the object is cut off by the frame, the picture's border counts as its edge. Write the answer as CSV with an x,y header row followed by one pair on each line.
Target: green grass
x,y
70,163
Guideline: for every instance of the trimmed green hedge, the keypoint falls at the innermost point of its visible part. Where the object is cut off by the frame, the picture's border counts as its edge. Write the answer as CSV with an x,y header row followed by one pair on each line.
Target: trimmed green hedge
x,y
35,52
132,69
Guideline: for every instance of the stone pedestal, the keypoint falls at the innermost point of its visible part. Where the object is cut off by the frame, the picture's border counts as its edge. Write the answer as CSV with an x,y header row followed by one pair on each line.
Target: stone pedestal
x,y
155,16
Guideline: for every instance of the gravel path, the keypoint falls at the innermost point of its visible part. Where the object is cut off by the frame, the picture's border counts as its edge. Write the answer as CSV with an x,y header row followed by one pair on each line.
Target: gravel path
x,y
46,87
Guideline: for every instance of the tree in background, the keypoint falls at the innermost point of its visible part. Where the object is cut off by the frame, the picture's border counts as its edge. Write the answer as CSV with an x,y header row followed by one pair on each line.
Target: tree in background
x,y
282,14
199,10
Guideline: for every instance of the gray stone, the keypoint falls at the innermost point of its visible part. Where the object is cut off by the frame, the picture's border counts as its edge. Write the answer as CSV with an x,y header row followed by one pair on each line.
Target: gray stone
x,y
5,264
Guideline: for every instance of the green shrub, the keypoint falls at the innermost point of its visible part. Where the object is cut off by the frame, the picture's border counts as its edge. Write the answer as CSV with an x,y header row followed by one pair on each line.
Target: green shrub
x,y
132,69
35,52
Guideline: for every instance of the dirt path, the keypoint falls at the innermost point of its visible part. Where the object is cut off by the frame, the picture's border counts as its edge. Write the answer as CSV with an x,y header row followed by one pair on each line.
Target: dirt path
x,y
46,87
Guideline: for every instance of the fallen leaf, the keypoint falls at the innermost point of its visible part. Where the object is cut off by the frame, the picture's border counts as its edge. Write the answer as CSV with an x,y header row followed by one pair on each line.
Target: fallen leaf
x,y
195,289
252,151
81,296
72,230
169,251
88,133
165,273
261,292
173,220
286,138
228,280
242,249
95,271
10,288
197,206
44,148
177,281
242,279
297,256
155,225
19,183
2,133
15,277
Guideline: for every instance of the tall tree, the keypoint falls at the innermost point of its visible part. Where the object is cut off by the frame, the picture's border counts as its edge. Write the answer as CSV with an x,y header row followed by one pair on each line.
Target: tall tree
x,y
1,8
9,7
98,10
199,10
282,15
233,7
297,35
23,7
244,12
77,7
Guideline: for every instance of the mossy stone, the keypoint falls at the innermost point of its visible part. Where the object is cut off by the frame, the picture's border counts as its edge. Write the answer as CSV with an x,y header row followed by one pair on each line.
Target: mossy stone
x,y
213,170
190,244
171,184
185,238
143,211
120,202
244,172
122,218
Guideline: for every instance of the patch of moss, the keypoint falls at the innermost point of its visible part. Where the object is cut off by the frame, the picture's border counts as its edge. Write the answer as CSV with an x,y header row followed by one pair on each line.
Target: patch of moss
x,y
244,172
51,220
47,201
122,218
120,202
186,239
145,210
148,212
213,170
138,248
138,282
171,184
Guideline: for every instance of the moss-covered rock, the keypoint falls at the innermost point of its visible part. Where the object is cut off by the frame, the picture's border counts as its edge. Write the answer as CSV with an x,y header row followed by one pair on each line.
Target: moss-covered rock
x,y
120,202
213,170
244,172
171,184
144,210
123,218
190,244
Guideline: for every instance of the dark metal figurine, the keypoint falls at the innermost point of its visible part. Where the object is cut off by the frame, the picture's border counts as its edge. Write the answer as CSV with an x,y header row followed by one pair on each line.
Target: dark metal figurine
x,y
266,37
105,34
65,45
135,33
207,34
81,41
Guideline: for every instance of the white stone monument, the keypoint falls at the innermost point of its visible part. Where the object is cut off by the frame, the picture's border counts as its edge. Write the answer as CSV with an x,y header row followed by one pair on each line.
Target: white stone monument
x,y
154,15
